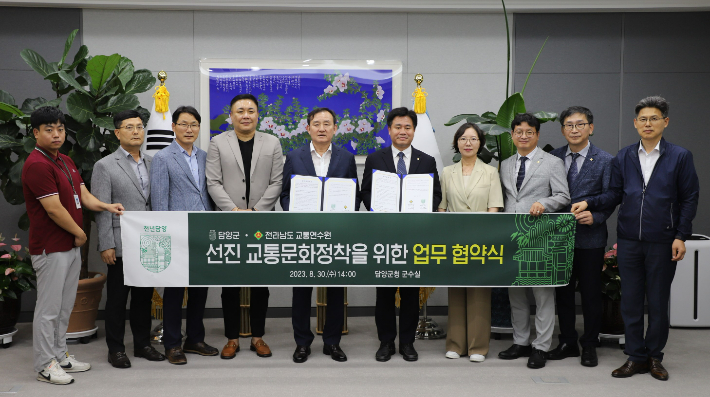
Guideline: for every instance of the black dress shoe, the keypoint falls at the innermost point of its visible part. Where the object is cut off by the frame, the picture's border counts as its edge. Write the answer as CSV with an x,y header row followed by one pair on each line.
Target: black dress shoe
x,y
562,351
537,359
176,356
335,352
119,360
301,354
200,348
385,352
408,353
589,356
515,351
149,353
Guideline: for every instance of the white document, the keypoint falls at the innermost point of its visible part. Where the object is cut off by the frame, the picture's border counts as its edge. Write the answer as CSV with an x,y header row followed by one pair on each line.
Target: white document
x,y
339,195
385,191
305,193
417,192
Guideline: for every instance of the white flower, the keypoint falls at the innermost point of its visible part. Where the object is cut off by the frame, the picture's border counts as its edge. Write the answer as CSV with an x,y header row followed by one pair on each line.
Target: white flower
x,y
380,92
353,144
302,127
381,116
364,126
229,119
281,132
341,82
267,124
380,140
329,89
345,127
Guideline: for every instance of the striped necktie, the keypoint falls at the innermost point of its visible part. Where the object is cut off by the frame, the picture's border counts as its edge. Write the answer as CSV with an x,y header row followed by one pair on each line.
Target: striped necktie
x,y
521,172
401,167
573,171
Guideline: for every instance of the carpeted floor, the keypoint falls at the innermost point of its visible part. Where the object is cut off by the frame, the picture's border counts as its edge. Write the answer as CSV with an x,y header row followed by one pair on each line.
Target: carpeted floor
x,y
248,375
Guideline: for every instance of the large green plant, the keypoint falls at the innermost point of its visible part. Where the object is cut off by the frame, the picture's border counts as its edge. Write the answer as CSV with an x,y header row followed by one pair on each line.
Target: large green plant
x,y
94,88
497,125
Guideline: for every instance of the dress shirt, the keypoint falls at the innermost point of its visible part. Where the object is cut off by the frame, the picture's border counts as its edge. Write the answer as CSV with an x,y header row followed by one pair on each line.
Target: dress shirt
x,y
407,156
580,159
140,170
321,163
648,160
530,156
191,161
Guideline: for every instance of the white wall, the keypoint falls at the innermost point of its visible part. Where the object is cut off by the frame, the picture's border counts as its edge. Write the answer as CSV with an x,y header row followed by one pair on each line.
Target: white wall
x,y
462,58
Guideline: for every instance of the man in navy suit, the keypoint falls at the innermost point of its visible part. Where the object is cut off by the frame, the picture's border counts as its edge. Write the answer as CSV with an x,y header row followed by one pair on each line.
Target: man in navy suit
x,y
588,174
319,158
401,123
178,183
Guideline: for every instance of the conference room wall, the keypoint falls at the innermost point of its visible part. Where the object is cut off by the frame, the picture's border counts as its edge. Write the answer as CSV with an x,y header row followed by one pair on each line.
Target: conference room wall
x,y
462,58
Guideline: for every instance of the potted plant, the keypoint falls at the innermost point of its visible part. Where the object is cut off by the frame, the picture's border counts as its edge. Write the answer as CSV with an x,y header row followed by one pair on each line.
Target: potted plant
x,y
16,277
612,322
93,88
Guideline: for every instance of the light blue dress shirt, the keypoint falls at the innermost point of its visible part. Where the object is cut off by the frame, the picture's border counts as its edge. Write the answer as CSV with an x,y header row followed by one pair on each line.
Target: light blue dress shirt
x,y
140,170
192,163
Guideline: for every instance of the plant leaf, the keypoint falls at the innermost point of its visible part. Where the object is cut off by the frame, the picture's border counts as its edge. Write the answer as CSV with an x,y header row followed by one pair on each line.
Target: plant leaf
x,y
475,119
490,116
111,143
119,103
8,142
67,46
533,65
486,156
5,97
141,81
100,68
497,130
511,107
13,193
36,62
457,119
69,79
124,71
80,56
507,148
104,122
11,108
28,143
544,117
15,173
90,139
80,107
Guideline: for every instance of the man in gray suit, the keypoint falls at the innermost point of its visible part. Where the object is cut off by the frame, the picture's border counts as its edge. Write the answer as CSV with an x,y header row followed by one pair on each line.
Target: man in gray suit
x,y
533,182
177,183
123,177
244,168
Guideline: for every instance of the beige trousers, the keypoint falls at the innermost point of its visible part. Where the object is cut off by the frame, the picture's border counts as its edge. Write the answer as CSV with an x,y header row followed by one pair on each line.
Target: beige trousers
x,y
469,321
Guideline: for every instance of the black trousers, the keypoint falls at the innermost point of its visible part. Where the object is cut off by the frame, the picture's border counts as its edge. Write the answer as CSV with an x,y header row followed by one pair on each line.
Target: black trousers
x,y
385,316
116,299
259,303
646,271
587,271
172,315
301,316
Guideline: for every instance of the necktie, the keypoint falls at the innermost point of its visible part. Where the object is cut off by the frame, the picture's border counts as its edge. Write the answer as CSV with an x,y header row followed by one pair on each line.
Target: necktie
x,y
573,171
521,172
401,168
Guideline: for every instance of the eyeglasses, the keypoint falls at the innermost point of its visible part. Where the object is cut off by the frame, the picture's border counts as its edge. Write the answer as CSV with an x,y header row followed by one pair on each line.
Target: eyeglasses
x,y
131,128
653,120
464,140
580,126
186,126
520,133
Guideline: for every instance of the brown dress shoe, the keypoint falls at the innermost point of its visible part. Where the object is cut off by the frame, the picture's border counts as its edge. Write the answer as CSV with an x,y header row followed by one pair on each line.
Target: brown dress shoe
x,y
630,368
229,351
656,369
176,356
261,348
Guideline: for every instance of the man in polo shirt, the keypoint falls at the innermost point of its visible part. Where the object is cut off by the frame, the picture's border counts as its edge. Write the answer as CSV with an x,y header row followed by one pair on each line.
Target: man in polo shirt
x,y
54,195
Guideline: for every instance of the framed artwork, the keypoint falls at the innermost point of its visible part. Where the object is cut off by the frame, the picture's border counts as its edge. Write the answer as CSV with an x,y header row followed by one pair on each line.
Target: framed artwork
x,y
361,93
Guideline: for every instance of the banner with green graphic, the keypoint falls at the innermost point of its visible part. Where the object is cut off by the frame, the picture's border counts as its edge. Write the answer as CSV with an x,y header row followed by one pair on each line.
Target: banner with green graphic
x,y
346,249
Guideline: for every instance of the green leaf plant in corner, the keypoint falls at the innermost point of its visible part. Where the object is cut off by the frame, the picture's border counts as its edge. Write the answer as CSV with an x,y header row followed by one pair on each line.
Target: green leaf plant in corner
x,y
93,89
497,125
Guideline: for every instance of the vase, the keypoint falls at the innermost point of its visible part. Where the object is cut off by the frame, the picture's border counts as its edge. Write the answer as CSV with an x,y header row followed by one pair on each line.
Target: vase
x,y
86,305
9,313
612,322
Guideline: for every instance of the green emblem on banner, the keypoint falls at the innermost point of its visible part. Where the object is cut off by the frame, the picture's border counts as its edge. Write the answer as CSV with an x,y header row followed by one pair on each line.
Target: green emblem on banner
x,y
155,252
258,235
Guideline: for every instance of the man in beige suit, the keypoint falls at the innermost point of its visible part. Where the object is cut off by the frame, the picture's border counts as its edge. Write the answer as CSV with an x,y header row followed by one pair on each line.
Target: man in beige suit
x,y
244,173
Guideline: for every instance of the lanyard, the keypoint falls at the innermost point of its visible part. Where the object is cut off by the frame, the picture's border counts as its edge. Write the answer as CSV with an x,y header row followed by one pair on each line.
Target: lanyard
x,y
67,174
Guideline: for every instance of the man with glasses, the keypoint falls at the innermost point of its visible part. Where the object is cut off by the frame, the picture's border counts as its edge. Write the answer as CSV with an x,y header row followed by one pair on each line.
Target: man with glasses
x,y
177,183
588,174
123,177
244,168
657,186
533,183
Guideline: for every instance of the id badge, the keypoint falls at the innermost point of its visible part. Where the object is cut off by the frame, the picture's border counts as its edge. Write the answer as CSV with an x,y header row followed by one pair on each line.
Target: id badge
x,y
77,201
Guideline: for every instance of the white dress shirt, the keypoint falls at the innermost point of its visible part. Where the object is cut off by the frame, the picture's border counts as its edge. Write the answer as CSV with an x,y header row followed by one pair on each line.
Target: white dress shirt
x,y
530,156
648,160
580,159
321,163
407,156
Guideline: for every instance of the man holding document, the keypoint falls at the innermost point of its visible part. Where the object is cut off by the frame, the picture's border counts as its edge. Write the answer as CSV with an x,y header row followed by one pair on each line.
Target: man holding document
x,y
381,192
304,171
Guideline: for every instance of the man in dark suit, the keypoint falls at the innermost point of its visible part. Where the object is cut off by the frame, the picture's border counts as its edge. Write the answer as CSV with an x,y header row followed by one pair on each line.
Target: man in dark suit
x,y
401,158
319,158
588,173
178,183
123,177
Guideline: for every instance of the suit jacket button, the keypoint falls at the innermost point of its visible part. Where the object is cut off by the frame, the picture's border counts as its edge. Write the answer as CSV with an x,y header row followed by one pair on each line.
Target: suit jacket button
x,y
243,198
467,207
243,180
